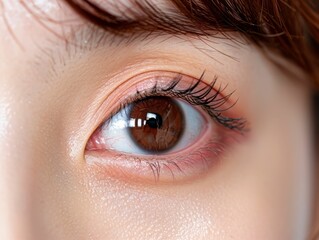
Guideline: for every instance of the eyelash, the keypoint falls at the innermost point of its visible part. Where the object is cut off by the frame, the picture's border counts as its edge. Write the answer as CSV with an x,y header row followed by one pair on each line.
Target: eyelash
x,y
195,95
173,166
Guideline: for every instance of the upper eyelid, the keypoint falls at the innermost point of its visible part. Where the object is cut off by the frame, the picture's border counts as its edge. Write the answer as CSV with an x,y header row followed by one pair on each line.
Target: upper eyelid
x,y
194,94
103,105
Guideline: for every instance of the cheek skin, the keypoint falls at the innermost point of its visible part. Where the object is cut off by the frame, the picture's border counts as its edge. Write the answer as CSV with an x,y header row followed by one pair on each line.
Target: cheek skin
x,y
139,213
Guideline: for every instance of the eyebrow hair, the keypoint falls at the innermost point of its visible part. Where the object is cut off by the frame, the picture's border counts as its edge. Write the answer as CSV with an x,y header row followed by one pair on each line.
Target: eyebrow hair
x,y
182,17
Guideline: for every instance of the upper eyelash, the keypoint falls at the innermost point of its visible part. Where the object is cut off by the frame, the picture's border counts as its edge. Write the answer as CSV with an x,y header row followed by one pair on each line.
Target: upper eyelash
x,y
212,105
194,95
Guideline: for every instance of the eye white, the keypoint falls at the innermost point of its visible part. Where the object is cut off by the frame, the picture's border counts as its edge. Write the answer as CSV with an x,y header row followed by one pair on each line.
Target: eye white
x,y
117,137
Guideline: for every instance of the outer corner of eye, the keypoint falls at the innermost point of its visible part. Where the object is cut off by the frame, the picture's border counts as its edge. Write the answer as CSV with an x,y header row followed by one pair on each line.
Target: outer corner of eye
x,y
158,138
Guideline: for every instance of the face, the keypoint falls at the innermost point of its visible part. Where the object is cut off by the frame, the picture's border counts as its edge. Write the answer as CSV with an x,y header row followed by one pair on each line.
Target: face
x,y
156,137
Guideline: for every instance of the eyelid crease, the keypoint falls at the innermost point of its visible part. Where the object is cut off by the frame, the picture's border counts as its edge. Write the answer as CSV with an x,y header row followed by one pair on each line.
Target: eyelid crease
x,y
196,95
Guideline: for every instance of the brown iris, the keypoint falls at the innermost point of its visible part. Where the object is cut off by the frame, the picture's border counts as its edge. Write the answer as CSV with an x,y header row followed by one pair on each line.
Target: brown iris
x,y
156,123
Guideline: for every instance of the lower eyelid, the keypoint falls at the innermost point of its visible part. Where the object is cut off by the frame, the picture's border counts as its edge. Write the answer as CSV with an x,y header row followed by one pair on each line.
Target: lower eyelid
x,y
181,166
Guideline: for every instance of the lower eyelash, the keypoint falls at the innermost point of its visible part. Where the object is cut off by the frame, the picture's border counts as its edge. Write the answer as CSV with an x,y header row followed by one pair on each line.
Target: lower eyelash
x,y
176,165
165,169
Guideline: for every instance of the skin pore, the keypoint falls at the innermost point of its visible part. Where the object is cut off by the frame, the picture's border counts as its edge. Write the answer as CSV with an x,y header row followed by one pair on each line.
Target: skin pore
x,y
61,79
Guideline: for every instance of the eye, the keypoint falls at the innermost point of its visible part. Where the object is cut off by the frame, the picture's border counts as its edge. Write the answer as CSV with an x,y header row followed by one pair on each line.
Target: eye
x,y
154,125
177,129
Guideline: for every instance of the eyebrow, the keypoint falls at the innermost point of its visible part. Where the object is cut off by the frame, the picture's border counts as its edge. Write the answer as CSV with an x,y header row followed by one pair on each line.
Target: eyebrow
x,y
145,22
140,17
142,20
201,17
280,26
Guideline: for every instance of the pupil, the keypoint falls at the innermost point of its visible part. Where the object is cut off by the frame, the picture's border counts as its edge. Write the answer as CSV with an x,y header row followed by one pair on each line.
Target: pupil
x,y
154,120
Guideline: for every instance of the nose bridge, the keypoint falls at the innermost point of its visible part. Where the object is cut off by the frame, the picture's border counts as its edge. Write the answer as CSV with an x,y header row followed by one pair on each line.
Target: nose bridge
x,y
16,164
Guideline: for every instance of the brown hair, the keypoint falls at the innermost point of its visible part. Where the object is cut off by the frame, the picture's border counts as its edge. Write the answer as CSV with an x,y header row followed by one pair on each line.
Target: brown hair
x,y
287,27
